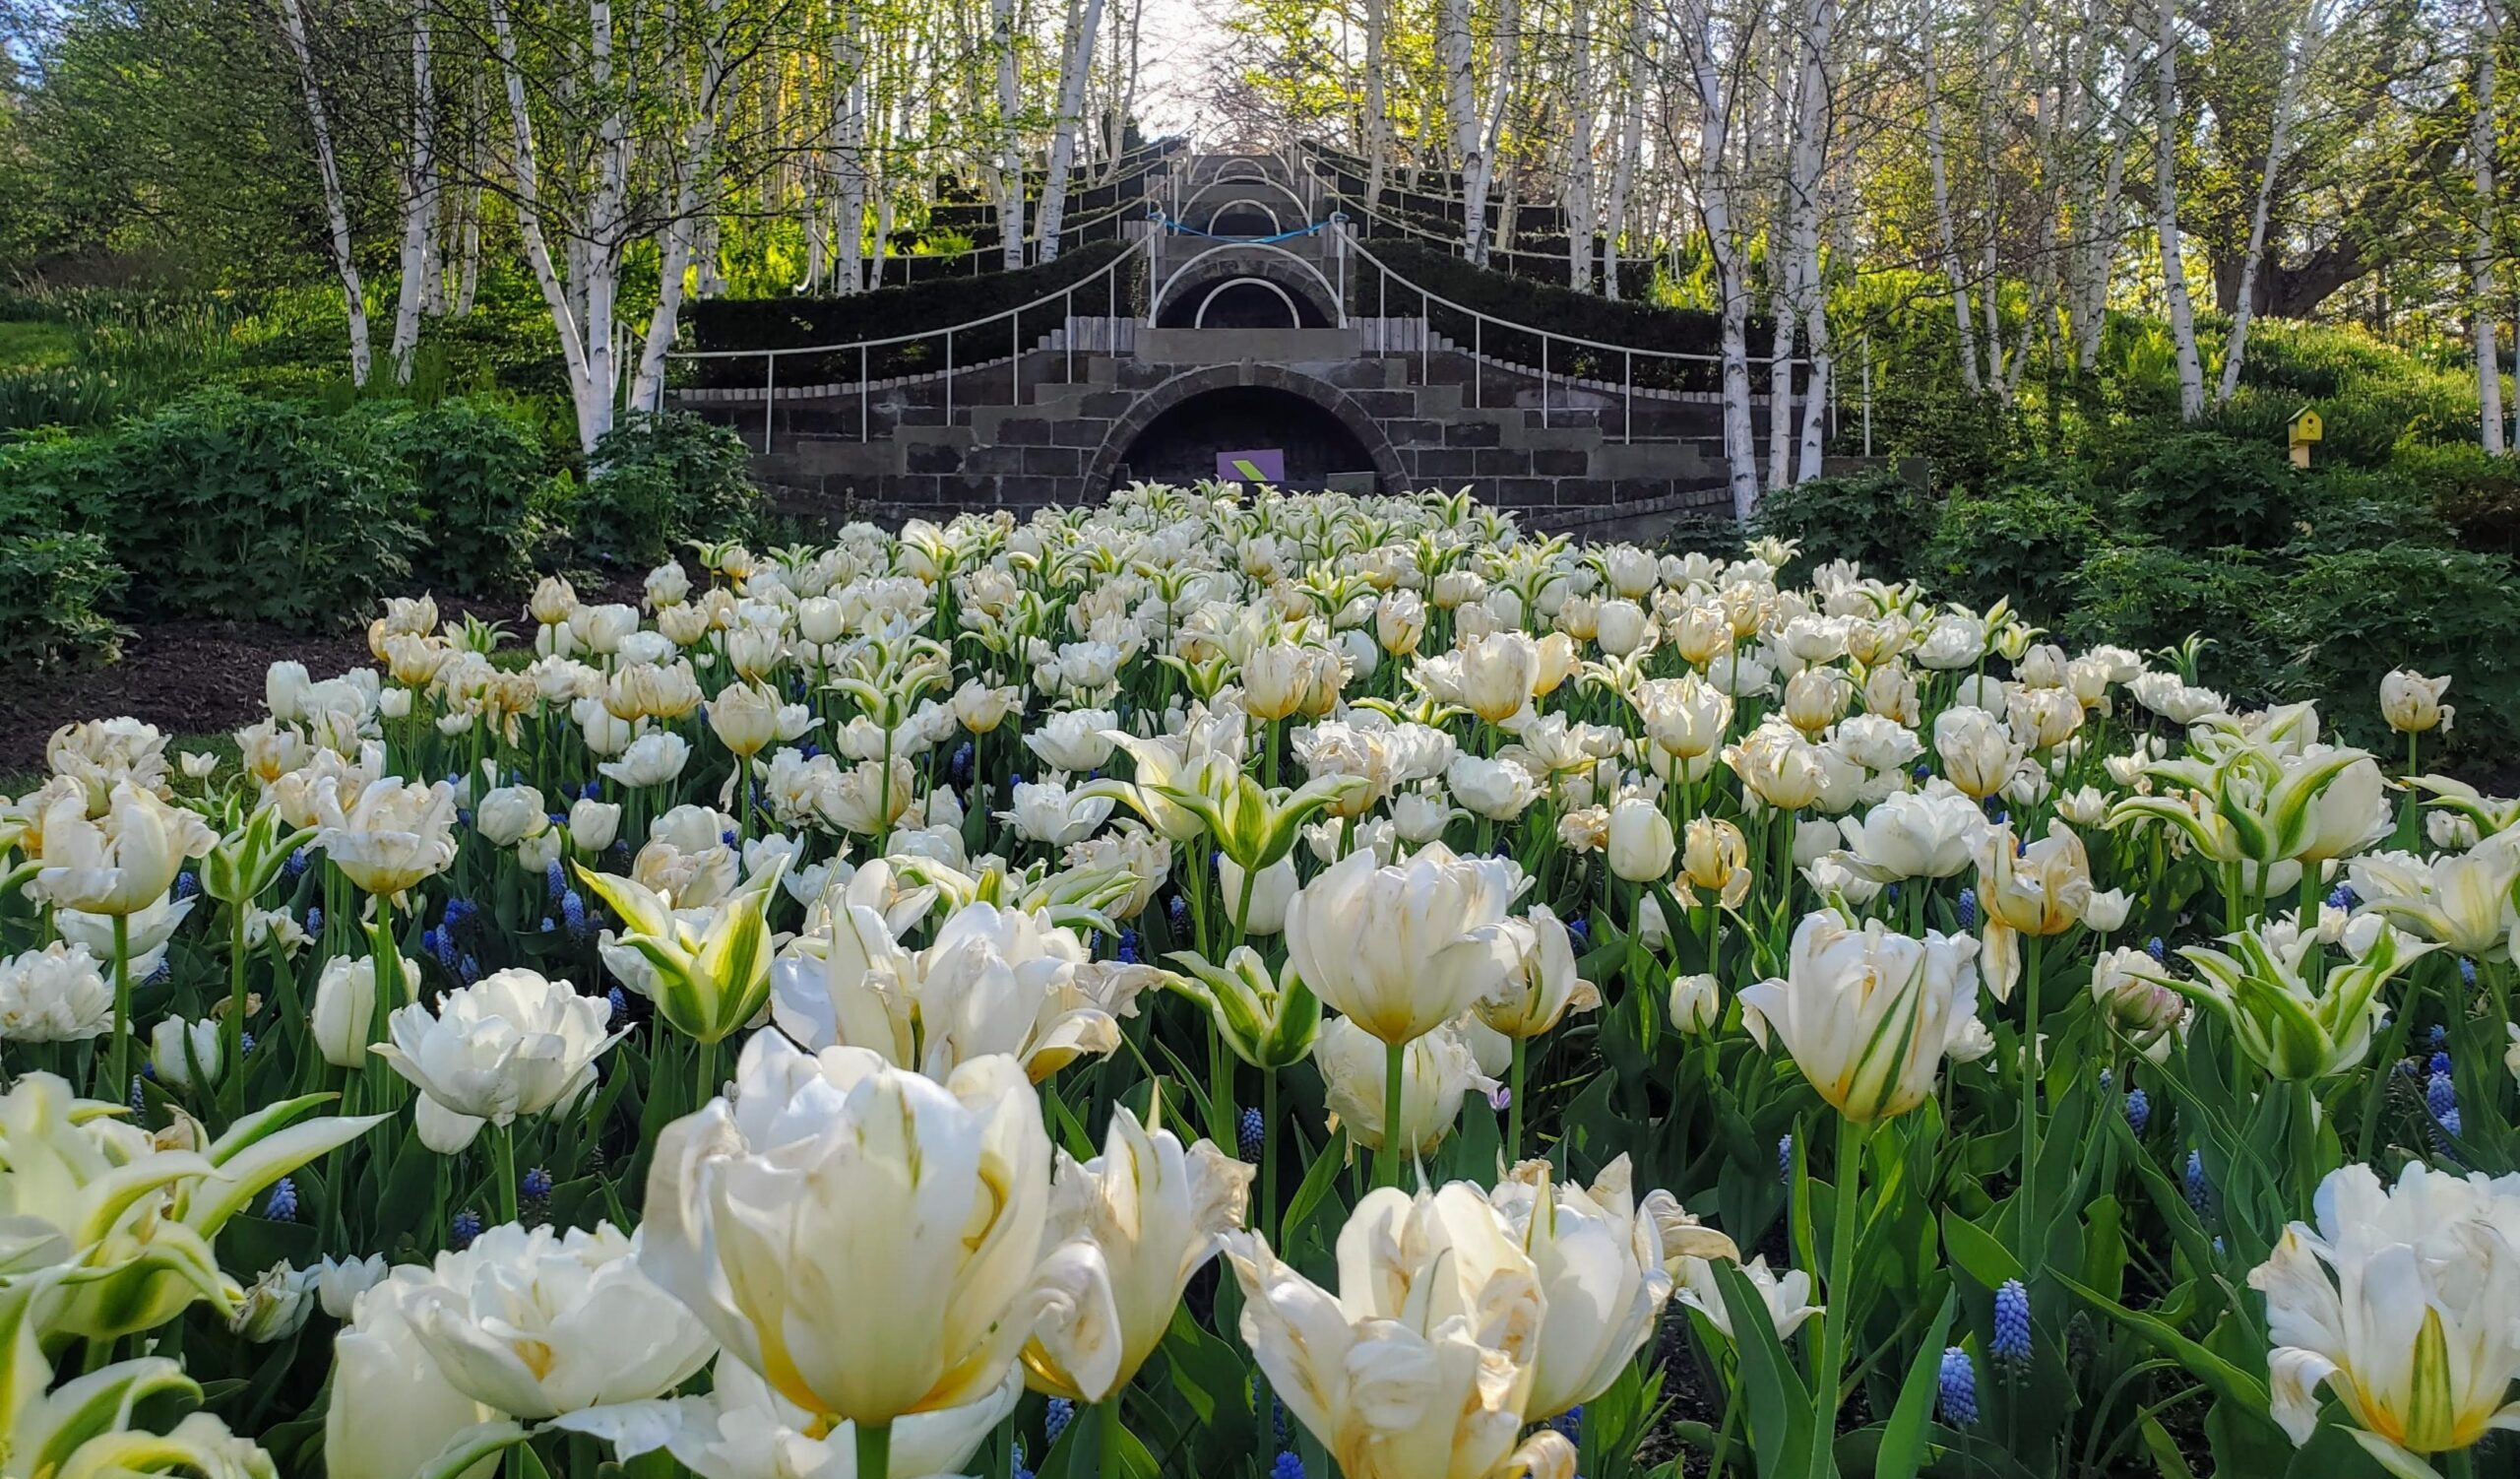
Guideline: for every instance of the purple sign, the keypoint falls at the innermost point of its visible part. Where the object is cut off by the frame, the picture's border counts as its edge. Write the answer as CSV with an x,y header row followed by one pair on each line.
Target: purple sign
x,y
1260,464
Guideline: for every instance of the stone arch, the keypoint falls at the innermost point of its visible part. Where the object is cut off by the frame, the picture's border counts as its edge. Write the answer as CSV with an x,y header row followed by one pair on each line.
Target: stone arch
x,y
1294,202
1294,316
1389,474
1244,203
1299,278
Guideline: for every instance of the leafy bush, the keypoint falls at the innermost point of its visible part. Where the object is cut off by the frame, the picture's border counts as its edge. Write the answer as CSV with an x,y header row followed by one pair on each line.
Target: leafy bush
x,y
479,493
655,480
1877,519
2148,597
2021,542
2199,490
52,588
2351,615
2479,497
223,506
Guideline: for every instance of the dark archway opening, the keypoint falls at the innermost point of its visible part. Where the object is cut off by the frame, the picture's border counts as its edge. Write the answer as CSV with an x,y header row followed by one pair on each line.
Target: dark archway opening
x,y
1249,302
1181,444
1242,218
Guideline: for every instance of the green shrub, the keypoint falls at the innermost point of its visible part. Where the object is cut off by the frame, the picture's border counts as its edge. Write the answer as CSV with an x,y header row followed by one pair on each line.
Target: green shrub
x,y
2148,597
52,588
655,480
2020,542
2201,490
221,506
2479,497
2351,615
481,492
1877,519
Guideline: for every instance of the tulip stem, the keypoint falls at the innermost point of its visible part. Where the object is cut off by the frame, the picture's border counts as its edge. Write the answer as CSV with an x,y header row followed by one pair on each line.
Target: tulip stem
x,y
1387,1165
503,1157
1267,1220
232,1093
874,1450
2034,1241
1838,1323
1514,1103
118,1055
2458,1463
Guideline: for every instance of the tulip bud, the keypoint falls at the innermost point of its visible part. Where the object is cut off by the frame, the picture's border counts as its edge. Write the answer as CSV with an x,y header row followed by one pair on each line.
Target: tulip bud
x,y
345,1011
277,1306
1696,1005
1640,844
338,1285
593,825
2411,703
185,1053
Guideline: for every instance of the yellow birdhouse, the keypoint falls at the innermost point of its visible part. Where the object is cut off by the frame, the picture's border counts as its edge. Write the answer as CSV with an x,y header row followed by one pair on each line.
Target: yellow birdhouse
x,y
2305,430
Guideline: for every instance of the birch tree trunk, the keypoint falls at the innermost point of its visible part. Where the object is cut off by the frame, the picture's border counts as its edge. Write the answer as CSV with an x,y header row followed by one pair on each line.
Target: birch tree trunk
x,y
849,147
1714,209
1945,234
647,387
1479,168
2298,49
2100,248
1078,66
335,205
2182,312
1580,175
1010,110
588,360
1461,79
1631,143
419,203
1813,119
1377,126
2480,266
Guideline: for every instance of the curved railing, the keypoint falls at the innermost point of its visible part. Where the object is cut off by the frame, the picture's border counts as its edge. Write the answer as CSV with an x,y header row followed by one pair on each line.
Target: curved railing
x,y
1107,276
1627,355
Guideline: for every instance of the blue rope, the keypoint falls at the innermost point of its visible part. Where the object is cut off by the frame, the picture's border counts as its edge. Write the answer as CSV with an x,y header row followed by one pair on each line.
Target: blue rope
x,y
1179,227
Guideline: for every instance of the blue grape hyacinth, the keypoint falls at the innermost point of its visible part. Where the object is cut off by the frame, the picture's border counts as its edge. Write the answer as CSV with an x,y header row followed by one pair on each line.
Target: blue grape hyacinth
x,y
1287,1466
1956,1388
2442,1098
2139,1110
1251,1134
1055,1420
2011,1344
468,1226
282,1204
1965,911
535,1184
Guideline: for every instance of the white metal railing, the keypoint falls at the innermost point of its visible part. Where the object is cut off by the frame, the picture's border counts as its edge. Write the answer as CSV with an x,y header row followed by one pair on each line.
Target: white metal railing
x,y
1453,244
1386,276
1107,275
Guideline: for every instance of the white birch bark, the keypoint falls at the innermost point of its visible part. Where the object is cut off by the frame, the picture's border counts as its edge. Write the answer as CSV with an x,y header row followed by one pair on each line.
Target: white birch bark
x,y
419,203
2298,53
2182,312
646,388
588,358
1010,109
1377,129
336,204
1074,71
1714,209
849,147
1813,118
1631,143
2480,266
1580,175
1479,168
1461,79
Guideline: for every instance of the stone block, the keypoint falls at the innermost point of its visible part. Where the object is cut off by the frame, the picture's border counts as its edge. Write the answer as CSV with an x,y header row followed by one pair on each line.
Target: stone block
x,y
1023,431
1472,435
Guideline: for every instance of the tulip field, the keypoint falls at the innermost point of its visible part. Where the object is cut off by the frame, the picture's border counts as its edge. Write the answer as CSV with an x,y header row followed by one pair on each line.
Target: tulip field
x,y
1234,985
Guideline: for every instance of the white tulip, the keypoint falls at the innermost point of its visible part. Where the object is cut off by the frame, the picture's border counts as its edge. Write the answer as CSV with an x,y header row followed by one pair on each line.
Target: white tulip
x,y
2404,1302
338,1285
509,1044
866,1239
345,1009
1273,889
1405,948
539,1323
1915,834
1146,1214
1422,1362
1868,1015
55,995
186,1054
391,1409
1599,1259
1438,1069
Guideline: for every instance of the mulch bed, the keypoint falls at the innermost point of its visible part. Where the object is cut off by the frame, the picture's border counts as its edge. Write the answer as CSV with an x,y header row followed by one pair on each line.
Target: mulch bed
x,y
187,677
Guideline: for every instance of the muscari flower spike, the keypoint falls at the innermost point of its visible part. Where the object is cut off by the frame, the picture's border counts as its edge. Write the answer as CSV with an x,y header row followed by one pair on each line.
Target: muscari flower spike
x,y
2139,1110
282,1204
1956,1388
2011,1345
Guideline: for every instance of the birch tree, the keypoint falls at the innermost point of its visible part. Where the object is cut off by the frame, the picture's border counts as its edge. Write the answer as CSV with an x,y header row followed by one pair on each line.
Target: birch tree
x,y
2489,36
1946,233
328,165
1077,66
2182,312
420,202
1716,214
2300,48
